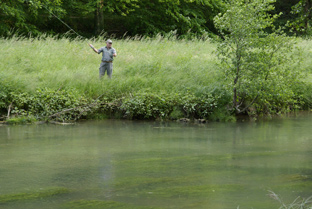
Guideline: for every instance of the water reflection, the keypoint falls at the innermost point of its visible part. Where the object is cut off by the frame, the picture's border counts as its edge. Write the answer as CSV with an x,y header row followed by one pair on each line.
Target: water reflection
x,y
160,165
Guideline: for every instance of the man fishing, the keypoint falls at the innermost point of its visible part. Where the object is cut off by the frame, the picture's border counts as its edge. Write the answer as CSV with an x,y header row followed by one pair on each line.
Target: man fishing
x,y
108,54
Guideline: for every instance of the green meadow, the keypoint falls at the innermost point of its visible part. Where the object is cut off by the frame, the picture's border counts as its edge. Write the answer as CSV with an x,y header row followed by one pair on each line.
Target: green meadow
x,y
157,65
153,78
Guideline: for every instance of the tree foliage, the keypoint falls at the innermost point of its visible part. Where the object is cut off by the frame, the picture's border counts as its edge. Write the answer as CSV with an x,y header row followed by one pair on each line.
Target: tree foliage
x,y
22,15
115,16
144,17
183,16
302,23
254,55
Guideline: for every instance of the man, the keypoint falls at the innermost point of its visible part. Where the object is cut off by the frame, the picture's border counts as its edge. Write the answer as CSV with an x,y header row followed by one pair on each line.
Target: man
x,y
108,54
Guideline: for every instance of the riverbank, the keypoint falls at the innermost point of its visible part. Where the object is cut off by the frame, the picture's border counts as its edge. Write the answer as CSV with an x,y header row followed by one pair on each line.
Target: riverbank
x,y
160,78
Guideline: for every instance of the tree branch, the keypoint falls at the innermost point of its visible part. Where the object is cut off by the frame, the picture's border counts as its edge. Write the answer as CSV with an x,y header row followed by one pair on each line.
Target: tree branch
x,y
9,110
253,101
75,108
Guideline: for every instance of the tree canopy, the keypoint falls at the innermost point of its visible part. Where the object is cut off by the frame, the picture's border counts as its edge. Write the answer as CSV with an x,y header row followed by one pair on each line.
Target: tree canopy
x,y
134,17
24,15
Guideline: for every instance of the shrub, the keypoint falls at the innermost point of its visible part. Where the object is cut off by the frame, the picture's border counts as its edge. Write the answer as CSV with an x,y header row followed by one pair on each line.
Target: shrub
x,y
45,103
147,106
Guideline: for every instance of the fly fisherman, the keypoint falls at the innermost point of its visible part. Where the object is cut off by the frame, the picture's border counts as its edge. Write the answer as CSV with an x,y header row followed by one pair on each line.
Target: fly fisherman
x,y
107,58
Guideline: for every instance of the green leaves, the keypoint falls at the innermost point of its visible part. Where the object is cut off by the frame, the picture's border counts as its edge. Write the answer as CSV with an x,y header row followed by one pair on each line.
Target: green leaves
x,y
64,105
144,17
22,15
147,106
254,55
151,106
162,16
45,103
302,23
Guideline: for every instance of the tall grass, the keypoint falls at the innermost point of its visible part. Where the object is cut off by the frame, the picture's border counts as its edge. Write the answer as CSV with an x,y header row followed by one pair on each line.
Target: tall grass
x,y
142,64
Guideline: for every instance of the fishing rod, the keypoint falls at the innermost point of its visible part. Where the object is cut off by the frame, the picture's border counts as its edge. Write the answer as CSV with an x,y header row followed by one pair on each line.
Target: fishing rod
x,y
66,25
71,29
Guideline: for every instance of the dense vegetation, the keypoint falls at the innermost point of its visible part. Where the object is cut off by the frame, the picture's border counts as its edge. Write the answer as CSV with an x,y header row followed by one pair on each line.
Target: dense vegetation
x,y
144,17
256,62
162,78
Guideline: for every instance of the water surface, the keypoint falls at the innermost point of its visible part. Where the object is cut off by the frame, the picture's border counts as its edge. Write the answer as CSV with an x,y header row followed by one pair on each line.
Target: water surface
x,y
128,164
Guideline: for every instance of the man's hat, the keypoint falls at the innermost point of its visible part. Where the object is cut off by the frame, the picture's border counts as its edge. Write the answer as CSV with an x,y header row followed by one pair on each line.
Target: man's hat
x,y
109,41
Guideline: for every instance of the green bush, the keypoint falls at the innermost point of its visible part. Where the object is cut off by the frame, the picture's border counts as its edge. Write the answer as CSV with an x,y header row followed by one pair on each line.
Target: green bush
x,y
45,103
147,106
164,106
302,95
198,107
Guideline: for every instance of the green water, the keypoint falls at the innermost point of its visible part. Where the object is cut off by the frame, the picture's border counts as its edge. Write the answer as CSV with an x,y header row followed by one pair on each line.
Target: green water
x,y
126,164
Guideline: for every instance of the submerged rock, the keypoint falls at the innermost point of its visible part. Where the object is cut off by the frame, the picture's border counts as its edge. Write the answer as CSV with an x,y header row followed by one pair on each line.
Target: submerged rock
x,y
201,121
185,120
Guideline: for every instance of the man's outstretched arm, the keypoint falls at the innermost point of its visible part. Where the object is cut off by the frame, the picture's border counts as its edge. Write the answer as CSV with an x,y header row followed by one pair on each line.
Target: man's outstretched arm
x,y
94,49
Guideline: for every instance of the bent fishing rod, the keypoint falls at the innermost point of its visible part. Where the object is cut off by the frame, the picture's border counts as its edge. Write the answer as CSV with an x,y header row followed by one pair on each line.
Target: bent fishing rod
x,y
71,29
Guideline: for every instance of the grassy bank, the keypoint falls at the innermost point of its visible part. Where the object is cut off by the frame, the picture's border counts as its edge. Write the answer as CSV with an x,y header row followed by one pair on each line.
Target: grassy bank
x,y
157,65
152,78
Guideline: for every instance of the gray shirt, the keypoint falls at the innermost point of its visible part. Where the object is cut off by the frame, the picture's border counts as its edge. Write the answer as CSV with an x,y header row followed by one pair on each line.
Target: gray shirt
x,y
107,55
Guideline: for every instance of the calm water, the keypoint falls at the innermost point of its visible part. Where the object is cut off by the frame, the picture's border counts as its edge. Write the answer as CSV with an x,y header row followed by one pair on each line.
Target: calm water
x,y
125,164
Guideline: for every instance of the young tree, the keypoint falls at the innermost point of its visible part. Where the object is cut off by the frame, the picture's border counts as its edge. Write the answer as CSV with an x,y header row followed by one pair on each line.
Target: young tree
x,y
254,54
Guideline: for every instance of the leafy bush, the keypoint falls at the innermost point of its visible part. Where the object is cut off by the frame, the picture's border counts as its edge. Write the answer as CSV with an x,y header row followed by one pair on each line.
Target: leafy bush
x,y
147,106
302,95
45,103
198,107
151,106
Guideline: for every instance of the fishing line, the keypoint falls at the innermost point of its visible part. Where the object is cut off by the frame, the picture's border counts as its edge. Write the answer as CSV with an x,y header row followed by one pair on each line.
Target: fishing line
x,y
61,21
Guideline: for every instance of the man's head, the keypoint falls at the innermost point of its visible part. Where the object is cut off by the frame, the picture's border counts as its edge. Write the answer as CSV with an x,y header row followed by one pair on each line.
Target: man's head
x,y
109,43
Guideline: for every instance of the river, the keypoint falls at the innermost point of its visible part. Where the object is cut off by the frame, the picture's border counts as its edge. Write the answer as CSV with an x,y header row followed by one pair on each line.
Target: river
x,y
139,164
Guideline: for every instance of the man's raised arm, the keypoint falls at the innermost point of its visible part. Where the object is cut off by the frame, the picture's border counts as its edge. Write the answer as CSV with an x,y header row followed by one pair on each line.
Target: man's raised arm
x,y
94,49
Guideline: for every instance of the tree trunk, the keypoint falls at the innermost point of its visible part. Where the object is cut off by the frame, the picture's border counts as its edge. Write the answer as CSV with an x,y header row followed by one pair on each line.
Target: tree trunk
x,y
99,17
235,97
307,11
238,60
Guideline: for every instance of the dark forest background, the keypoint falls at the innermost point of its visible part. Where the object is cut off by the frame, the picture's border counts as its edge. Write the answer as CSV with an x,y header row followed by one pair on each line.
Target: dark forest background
x,y
133,17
